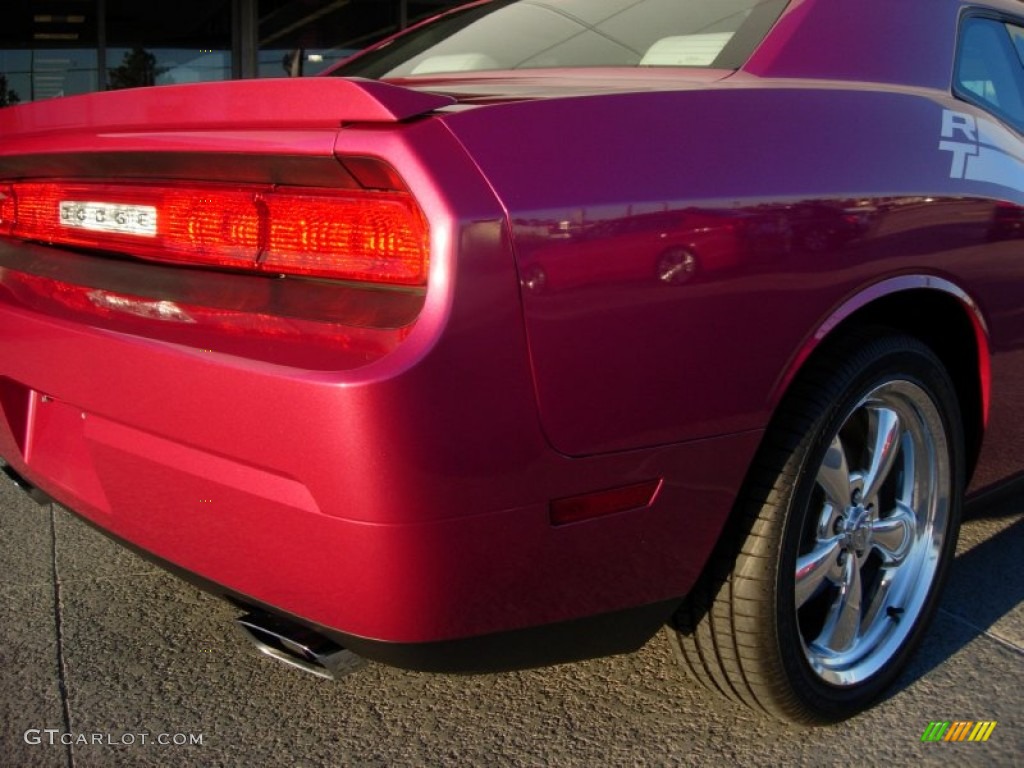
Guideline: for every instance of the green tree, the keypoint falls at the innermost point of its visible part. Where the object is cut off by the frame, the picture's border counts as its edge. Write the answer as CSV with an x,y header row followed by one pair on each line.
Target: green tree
x,y
137,69
7,96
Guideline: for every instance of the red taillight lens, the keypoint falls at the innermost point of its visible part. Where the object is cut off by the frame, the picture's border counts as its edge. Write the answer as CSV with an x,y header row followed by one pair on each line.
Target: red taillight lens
x,y
381,234
7,211
219,227
351,235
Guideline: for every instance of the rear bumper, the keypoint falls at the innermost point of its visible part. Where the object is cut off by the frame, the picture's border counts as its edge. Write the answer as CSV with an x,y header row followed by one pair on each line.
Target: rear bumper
x,y
622,631
404,503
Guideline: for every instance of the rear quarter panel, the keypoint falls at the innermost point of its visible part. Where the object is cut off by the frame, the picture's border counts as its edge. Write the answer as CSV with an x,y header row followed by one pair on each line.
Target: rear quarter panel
x,y
833,189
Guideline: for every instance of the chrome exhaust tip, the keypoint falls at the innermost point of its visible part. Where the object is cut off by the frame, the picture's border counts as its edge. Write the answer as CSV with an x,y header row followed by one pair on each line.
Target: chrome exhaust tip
x,y
298,646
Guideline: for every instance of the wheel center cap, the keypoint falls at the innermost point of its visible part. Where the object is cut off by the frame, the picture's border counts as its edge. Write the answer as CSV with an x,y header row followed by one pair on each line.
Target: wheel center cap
x,y
858,529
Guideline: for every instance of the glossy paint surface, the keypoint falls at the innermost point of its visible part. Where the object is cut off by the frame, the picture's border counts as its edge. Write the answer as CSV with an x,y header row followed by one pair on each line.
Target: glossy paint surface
x,y
783,229
626,272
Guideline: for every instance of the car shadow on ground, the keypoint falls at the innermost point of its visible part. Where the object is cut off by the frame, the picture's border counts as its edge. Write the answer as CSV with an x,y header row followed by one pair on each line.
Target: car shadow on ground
x,y
985,586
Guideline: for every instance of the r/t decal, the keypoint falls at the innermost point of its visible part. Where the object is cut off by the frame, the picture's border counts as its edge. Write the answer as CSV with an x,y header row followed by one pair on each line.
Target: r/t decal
x,y
982,150
959,125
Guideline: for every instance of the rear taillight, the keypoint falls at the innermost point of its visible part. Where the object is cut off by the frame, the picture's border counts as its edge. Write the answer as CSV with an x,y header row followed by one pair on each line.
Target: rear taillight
x,y
379,236
6,209
361,235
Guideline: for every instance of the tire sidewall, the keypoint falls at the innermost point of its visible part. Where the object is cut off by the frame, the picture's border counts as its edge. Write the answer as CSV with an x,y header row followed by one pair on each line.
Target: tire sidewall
x,y
871,366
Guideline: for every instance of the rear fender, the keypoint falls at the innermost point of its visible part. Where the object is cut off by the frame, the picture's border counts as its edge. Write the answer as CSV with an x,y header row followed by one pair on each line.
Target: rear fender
x,y
886,288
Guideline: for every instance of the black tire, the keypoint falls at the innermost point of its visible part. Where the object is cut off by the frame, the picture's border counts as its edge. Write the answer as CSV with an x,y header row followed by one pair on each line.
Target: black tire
x,y
820,646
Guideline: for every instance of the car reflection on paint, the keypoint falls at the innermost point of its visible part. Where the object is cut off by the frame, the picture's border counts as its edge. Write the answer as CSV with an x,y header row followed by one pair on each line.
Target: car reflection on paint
x,y
819,227
672,247
1007,222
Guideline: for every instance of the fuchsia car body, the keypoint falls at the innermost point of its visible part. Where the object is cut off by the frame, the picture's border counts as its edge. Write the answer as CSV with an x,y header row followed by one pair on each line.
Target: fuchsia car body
x,y
626,271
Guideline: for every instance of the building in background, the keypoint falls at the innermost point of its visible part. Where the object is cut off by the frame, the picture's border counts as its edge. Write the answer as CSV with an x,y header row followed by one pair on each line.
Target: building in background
x,y
52,48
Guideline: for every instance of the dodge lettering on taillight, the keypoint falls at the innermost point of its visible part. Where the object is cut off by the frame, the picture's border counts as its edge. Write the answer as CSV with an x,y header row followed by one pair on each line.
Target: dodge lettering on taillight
x,y
109,217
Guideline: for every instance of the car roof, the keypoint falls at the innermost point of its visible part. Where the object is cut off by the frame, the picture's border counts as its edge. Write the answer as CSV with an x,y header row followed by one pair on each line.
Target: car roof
x,y
879,41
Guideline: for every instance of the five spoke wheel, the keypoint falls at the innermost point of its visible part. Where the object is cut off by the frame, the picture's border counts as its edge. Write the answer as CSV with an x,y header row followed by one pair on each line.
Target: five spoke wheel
x,y
834,558
876,523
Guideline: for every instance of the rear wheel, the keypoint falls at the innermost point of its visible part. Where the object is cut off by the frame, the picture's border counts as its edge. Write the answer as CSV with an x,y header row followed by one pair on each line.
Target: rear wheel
x,y
832,568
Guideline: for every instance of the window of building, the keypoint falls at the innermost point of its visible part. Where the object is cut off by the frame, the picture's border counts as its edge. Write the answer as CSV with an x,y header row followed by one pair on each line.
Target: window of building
x,y
303,37
48,49
149,45
51,48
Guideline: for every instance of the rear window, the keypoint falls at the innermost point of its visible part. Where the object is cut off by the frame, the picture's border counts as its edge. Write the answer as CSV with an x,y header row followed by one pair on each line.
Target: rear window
x,y
537,34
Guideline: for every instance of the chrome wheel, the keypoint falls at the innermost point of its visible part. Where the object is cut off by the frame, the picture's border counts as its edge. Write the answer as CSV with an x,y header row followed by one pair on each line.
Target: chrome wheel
x,y
874,533
832,565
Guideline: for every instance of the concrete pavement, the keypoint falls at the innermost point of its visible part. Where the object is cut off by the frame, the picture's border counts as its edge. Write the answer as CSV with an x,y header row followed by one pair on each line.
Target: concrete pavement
x,y
99,644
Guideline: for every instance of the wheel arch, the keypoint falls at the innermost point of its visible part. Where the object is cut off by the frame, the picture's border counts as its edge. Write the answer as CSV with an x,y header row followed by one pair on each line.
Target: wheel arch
x,y
719,629
938,313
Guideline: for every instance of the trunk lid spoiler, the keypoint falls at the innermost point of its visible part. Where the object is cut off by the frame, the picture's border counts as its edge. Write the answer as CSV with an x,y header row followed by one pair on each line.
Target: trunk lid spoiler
x,y
249,105
258,130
